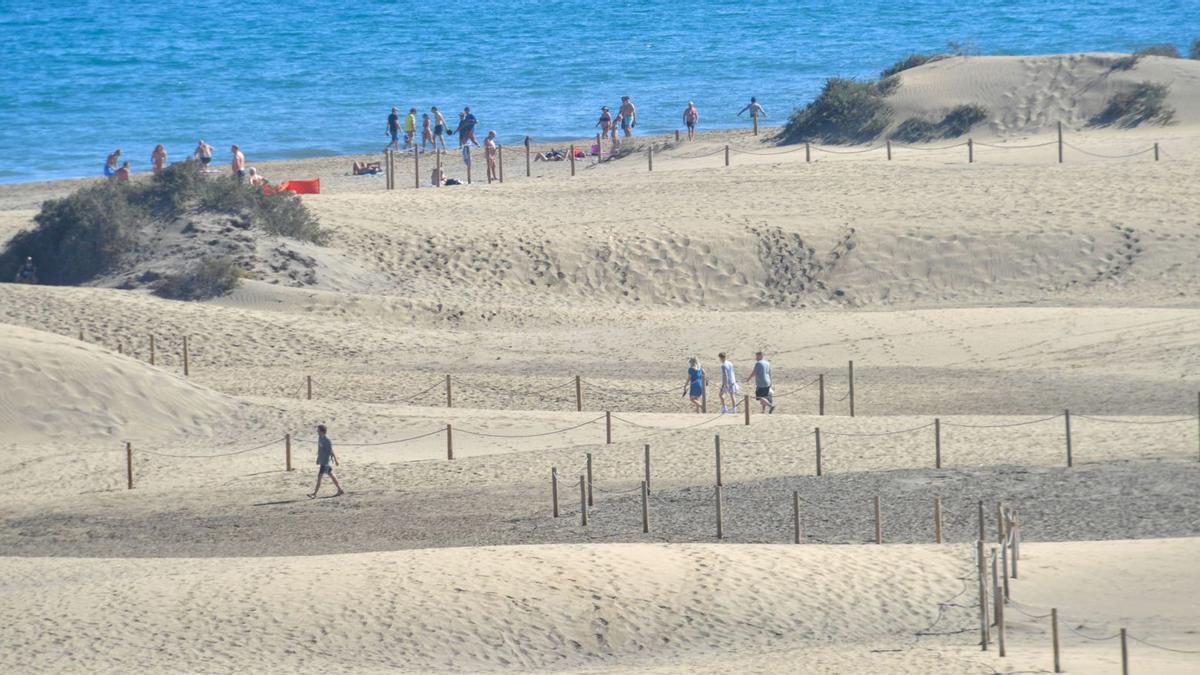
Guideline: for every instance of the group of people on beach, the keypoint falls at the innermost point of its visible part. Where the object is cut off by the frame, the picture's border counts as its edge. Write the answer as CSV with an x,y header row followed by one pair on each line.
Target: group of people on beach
x,y
203,154
434,130
760,375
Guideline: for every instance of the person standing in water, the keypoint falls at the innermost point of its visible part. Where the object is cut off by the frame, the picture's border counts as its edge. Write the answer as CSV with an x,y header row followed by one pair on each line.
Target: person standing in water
x,y
410,129
690,117
326,460
605,122
426,132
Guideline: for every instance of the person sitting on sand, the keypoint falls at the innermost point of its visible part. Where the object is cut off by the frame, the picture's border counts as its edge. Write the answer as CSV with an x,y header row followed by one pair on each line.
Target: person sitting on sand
x,y
690,117
437,177
158,158
694,389
491,150
122,174
27,273
255,178
203,153
729,385
110,164
326,460
366,168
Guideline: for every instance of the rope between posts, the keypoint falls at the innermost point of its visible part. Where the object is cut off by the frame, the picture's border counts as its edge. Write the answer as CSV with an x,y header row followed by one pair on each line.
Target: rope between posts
x,y
399,440
1101,419
845,152
223,454
1168,649
1018,606
686,426
764,154
999,426
800,388
879,433
1016,147
422,392
940,147
1095,154
544,433
697,156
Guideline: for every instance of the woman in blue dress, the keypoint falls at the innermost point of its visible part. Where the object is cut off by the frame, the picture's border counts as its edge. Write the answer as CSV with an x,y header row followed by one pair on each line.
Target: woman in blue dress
x,y
694,389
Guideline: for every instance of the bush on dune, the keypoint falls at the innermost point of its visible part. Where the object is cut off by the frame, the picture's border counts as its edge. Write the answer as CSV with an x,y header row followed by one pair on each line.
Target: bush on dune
x,y
954,124
1167,50
1194,52
846,111
204,279
908,62
1146,103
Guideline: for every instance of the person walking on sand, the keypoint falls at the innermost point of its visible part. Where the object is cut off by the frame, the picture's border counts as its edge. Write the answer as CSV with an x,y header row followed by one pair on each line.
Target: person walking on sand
x,y
491,149
326,460
110,164
439,128
628,116
393,128
466,128
204,153
158,158
694,389
729,385
426,132
761,375
238,164
690,117
755,109
410,129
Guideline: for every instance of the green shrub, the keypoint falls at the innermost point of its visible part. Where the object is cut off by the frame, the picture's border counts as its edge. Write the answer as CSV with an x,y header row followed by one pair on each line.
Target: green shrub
x,y
204,279
81,235
916,130
846,111
1145,103
910,61
1167,50
960,120
954,124
1194,52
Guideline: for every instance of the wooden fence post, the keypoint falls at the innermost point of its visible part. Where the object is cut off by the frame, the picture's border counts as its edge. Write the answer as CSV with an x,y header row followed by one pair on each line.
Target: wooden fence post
x,y
572,160
449,397
676,135
1004,569
308,384
1060,143
982,534
746,408
889,149
186,368
807,152
937,443
646,464
981,572
129,465
554,489
449,442
416,168
583,508
937,520
970,151
878,521
645,508
151,350
817,433
81,334
607,428
1054,637
1067,417
720,516
528,161
1198,421
287,452
717,443
797,533
120,347
467,161
726,155
650,158
852,389
589,478
437,165
1156,151
999,607
999,522
1124,654
578,395
821,394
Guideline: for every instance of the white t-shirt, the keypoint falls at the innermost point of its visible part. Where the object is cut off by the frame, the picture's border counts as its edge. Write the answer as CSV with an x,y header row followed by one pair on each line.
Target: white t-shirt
x,y
730,383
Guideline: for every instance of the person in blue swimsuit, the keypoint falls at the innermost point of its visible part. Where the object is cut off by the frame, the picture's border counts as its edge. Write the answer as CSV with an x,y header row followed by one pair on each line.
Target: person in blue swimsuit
x,y
694,389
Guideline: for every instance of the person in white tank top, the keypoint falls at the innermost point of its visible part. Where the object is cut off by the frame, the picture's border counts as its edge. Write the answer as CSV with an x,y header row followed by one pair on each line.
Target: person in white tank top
x,y
728,384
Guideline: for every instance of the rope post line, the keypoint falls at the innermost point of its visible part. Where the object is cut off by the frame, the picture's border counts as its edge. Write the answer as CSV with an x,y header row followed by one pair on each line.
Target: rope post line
x,y
500,161
1060,144
572,160
746,407
797,533
807,152
981,573
528,161
449,442
889,149
999,609
1156,151
878,521
186,369
554,490
970,151
1067,418
717,443
1054,638
720,515
650,158
646,465
151,350
589,481
821,394
726,155
583,509
287,452
416,168
129,465
817,435
937,520
851,389
308,384
449,394
607,428
937,443
578,395
1124,654
645,509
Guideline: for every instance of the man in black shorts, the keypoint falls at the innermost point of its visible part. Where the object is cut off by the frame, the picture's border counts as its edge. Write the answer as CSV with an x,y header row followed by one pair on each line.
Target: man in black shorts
x,y
762,383
326,460
393,128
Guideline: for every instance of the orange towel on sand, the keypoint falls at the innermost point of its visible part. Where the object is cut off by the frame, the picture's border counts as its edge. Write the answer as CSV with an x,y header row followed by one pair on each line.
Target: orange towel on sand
x,y
302,187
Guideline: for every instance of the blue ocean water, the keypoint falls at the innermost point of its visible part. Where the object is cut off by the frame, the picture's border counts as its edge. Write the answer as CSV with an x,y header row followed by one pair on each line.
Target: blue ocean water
x,y
303,78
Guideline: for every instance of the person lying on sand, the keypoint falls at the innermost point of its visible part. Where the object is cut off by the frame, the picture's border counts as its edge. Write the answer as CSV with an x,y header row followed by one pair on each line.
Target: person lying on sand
x,y
551,156
27,274
256,179
326,460
366,168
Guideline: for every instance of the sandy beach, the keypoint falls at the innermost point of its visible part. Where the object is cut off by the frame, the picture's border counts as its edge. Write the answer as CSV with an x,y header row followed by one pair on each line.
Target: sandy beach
x,y
981,304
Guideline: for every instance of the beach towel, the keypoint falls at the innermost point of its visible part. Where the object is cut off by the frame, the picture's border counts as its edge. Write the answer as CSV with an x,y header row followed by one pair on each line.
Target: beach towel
x,y
301,187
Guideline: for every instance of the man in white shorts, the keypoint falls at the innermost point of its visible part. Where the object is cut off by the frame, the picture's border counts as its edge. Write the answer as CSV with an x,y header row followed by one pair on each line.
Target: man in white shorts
x,y
728,384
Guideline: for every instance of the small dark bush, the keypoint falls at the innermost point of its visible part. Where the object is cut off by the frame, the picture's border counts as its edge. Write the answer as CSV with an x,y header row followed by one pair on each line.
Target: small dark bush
x,y
916,130
1194,52
174,188
910,61
960,120
956,123
1169,51
81,235
1125,62
1145,103
846,111
281,213
207,278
